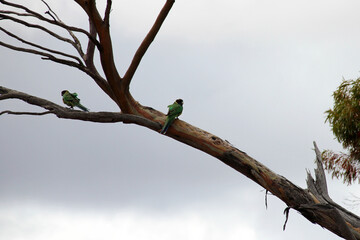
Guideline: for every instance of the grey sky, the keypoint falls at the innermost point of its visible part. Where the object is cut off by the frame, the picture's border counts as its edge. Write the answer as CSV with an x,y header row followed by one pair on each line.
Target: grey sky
x,y
257,73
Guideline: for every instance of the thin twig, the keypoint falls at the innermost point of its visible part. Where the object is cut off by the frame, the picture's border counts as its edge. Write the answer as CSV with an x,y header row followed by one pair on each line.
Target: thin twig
x,y
77,44
46,56
40,47
40,17
16,13
286,212
266,202
50,14
4,16
28,50
26,113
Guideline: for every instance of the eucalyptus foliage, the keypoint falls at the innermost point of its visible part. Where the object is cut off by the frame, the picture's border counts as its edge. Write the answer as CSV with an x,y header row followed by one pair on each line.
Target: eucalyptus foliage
x,y
344,120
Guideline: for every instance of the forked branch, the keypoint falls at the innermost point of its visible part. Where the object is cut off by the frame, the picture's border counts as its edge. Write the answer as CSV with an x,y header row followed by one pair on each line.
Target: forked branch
x,y
77,43
50,54
32,13
120,85
39,46
42,28
313,203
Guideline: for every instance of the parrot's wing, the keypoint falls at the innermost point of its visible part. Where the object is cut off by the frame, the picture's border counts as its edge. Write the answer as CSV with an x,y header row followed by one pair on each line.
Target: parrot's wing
x,y
74,96
71,98
175,110
171,109
67,97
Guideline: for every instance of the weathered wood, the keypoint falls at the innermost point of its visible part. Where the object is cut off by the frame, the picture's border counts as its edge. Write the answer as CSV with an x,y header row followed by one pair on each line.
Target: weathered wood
x,y
314,203
325,211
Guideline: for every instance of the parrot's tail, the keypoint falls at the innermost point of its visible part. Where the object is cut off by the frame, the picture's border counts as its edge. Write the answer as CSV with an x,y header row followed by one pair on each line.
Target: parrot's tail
x,y
82,107
165,128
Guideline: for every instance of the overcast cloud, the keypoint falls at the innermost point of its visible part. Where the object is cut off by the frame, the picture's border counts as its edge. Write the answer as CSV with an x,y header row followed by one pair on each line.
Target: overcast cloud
x,y
257,73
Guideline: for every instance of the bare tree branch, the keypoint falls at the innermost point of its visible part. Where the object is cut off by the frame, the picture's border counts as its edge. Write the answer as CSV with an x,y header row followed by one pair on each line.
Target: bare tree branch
x,y
40,47
28,50
106,54
46,56
313,203
89,62
16,13
40,17
25,113
306,201
88,57
66,113
77,44
325,211
107,12
146,42
4,16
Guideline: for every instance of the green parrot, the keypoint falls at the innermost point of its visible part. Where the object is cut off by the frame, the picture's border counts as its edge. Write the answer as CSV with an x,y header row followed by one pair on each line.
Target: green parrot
x,y
72,100
174,112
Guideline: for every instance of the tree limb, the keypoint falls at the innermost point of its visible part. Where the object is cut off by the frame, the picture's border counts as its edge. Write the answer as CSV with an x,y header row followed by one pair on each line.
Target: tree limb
x,y
30,25
107,12
66,113
40,17
89,56
347,222
16,13
25,113
44,54
146,42
91,71
40,47
90,68
77,44
307,201
313,203
89,62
